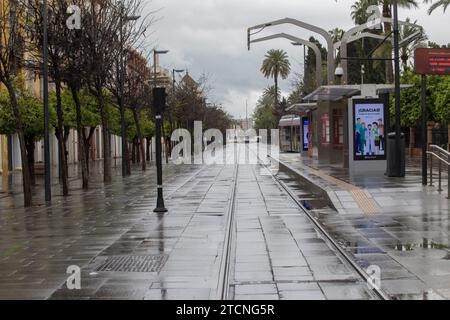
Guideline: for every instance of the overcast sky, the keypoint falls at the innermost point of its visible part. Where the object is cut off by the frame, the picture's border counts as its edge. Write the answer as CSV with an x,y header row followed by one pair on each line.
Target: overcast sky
x,y
209,36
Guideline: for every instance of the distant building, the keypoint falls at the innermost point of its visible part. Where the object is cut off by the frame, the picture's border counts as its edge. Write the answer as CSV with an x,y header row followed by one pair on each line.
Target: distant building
x,y
162,75
245,124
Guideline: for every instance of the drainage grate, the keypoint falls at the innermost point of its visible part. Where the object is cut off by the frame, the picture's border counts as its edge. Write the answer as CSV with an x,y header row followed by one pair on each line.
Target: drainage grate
x,y
150,263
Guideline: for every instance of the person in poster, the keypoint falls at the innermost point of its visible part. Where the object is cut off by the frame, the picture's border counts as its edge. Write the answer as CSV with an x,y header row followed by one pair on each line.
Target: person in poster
x,y
369,130
358,135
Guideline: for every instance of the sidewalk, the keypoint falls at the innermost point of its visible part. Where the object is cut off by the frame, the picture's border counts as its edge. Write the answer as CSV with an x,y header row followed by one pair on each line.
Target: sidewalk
x,y
395,223
125,251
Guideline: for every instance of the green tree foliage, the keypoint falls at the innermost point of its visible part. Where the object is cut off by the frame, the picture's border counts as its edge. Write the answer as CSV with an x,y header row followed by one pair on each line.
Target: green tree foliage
x,y
32,112
89,112
264,115
438,99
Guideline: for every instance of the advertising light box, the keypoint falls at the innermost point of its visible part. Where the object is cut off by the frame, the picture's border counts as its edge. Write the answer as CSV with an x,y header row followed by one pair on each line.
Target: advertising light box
x,y
305,122
369,130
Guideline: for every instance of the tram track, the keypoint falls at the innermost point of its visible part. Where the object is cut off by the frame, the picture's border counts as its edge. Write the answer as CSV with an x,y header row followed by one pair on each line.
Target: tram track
x,y
223,290
340,251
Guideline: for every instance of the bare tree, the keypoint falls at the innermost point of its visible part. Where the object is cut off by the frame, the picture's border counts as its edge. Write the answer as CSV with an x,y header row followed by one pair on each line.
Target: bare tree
x,y
138,93
102,25
12,49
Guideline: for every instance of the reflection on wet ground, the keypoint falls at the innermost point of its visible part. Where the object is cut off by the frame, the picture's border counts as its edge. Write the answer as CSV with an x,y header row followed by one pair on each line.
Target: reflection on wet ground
x,y
409,238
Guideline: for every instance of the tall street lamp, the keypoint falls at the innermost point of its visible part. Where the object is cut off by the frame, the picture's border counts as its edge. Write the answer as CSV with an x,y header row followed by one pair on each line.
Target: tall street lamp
x,y
121,94
173,79
398,168
159,102
173,92
48,191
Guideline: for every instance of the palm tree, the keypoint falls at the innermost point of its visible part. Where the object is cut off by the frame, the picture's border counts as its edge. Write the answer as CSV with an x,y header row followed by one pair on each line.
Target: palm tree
x,y
336,34
440,3
275,64
407,49
360,8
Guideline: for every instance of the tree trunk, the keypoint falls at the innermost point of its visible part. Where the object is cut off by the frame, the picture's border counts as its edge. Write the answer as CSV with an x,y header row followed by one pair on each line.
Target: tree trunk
x,y
138,150
276,91
87,144
148,148
81,146
141,139
107,176
387,29
412,139
61,141
133,154
128,159
29,142
27,196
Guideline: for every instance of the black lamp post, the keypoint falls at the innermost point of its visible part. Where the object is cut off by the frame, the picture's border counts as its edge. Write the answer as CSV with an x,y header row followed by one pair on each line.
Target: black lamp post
x,y
121,75
159,102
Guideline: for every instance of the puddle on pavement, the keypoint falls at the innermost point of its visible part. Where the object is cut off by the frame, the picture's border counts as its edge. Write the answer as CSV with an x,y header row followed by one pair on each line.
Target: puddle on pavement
x,y
309,200
426,295
425,244
362,247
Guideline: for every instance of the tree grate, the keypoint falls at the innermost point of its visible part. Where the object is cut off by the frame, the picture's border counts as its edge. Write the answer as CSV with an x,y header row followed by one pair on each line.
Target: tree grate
x,y
149,263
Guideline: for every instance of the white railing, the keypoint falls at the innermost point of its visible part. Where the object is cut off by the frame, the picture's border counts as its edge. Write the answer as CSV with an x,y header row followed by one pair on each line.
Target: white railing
x,y
443,157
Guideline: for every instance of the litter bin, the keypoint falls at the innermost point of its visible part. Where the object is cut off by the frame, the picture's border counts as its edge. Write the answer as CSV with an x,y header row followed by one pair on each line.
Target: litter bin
x,y
391,156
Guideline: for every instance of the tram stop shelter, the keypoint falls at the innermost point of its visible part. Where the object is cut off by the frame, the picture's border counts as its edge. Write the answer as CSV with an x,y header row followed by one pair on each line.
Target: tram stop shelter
x,y
346,125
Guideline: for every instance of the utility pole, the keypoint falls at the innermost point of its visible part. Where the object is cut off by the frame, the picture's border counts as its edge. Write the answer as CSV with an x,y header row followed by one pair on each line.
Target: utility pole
x,y
48,191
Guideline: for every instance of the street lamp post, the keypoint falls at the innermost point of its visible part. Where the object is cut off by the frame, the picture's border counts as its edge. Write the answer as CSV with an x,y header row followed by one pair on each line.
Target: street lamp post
x,y
397,172
173,89
121,75
48,191
159,102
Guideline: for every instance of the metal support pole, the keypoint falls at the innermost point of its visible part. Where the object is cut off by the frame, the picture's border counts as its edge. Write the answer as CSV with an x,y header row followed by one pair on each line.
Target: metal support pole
x,y
159,99
448,181
48,192
424,130
440,172
398,151
431,169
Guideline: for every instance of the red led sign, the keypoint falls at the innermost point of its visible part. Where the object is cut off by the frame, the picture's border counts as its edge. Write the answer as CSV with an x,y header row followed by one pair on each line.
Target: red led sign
x,y
432,61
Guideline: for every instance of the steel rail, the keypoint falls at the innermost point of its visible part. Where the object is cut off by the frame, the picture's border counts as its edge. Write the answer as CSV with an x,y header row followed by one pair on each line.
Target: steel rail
x,y
379,293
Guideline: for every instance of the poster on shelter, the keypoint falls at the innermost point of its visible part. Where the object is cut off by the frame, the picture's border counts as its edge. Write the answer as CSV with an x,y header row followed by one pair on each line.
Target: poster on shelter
x,y
305,134
369,130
